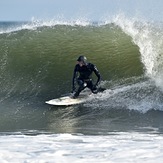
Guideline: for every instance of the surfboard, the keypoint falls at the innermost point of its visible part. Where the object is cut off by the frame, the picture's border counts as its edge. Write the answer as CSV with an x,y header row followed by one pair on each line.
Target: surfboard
x,y
68,100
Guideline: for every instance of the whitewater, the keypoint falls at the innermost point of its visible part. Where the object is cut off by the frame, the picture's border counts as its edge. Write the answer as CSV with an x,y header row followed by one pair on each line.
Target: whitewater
x,y
122,124
114,147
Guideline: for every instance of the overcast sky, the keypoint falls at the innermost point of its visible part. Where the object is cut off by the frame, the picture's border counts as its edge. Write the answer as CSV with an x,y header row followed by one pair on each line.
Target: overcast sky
x,y
25,10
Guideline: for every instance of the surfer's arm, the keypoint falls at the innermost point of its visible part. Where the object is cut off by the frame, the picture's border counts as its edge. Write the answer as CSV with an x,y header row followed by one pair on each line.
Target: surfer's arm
x,y
74,78
97,74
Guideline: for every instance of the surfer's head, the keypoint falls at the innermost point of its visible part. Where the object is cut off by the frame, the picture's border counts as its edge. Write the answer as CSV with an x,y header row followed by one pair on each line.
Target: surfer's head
x,y
82,60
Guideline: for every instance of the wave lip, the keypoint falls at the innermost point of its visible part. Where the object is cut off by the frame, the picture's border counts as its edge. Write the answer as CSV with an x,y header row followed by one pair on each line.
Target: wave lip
x,y
8,27
148,37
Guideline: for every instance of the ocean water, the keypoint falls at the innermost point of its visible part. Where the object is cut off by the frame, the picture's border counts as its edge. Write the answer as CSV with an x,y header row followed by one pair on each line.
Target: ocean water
x,y
122,124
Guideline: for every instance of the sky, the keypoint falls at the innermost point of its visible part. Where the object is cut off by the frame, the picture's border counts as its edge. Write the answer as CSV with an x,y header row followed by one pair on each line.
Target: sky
x,y
26,10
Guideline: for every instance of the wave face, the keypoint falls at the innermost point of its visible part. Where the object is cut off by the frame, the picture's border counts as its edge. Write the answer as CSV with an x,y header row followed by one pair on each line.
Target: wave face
x,y
40,59
37,61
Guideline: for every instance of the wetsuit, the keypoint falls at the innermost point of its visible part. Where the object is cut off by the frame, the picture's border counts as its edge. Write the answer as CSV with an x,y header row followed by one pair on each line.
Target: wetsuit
x,y
84,80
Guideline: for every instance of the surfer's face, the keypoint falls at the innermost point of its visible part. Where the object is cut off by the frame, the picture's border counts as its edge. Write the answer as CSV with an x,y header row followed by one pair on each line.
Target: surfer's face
x,y
80,63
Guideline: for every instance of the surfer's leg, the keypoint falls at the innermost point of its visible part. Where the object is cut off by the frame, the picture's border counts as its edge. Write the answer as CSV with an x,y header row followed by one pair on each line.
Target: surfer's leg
x,y
82,86
91,87
78,91
95,89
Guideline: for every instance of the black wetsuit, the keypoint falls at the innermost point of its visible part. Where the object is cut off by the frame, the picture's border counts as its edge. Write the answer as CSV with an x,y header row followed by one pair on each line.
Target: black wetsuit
x,y
84,80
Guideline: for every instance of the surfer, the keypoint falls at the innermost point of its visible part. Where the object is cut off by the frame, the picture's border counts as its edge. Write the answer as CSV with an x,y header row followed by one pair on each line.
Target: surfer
x,y
85,70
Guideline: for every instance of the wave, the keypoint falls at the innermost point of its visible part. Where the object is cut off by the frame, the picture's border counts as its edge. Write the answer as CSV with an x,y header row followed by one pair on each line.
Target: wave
x,y
37,59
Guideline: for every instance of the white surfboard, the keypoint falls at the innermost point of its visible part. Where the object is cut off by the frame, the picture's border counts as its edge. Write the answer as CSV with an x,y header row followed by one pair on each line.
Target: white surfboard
x,y
68,100
65,101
